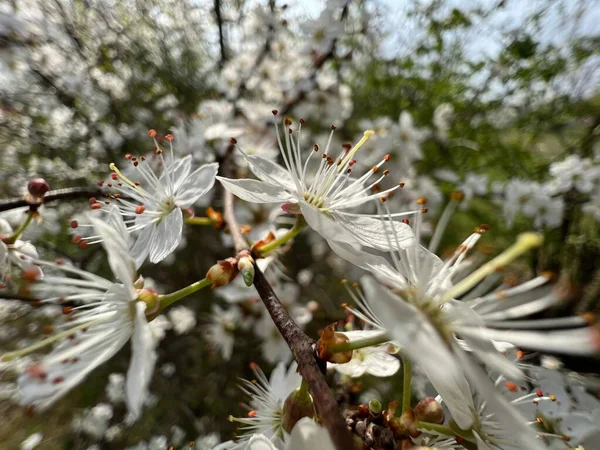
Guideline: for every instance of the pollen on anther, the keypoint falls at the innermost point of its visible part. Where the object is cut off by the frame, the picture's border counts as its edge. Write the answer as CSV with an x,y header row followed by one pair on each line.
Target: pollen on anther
x,y
152,133
96,205
511,386
252,413
169,137
140,209
421,201
553,398
539,393
114,176
387,157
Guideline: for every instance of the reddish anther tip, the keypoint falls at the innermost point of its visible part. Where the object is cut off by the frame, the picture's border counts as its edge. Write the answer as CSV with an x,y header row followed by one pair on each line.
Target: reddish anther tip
x,y
152,133
96,205
74,224
140,209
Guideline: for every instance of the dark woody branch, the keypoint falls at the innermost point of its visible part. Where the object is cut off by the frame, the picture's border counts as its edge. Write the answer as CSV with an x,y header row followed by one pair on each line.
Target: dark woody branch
x,y
301,345
51,196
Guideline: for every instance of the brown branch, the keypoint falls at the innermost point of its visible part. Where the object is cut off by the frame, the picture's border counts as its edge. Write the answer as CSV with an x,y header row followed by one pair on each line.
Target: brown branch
x,y
302,348
234,228
300,344
221,36
52,196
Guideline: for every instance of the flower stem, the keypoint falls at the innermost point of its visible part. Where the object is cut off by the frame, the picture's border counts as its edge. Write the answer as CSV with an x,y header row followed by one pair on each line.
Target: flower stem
x,y
406,380
17,233
442,429
199,221
167,299
292,232
360,343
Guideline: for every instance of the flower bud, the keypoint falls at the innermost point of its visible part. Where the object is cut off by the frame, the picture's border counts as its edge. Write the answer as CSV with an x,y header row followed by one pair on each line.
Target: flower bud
x,y
139,283
299,404
223,272
38,187
246,267
409,422
324,346
428,410
375,406
151,299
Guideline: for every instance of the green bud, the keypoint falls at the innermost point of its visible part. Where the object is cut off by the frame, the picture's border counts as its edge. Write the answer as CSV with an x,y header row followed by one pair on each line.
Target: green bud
x,y
375,406
299,404
246,267
151,299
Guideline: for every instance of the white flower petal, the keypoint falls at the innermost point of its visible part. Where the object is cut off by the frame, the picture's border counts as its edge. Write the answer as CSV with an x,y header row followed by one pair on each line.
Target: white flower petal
x,y
423,345
141,247
307,435
260,442
503,412
176,172
270,171
196,185
377,233
325,226
255,191
117,250
141,366
166,236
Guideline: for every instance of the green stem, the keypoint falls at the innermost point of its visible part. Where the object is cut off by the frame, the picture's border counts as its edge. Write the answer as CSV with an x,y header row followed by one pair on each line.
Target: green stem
x,y
199,221
406,380
17,233
167,299
381,338
292,232
442,429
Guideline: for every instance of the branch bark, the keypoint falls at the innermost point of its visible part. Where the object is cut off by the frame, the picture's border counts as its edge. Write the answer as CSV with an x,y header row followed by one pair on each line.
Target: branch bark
x,y
301,345
221,36
52,196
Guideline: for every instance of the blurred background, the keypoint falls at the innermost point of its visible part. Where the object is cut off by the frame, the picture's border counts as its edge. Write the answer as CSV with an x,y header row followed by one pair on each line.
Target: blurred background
x,y
497,99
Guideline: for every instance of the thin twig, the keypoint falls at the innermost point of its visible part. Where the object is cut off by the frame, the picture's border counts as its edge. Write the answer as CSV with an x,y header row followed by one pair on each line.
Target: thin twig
x,y
300,344
51,196
221,36
238,238
302,348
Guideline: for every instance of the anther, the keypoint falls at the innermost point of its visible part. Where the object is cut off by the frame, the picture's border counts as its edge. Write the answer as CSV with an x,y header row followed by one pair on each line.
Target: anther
x,y
169,137
511,386
135,163
421,201
92,200
275,112
332,127
128,156
74,224
233,141
83,244
401,185
386,172
100,183
375,169
316,147
152,133
96,205
539,393
140,209
114,176
302,121
387,157
67,309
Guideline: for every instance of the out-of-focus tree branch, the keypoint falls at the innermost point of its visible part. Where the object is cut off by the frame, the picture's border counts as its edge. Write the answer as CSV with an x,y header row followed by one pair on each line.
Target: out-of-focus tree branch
x,y
51,196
